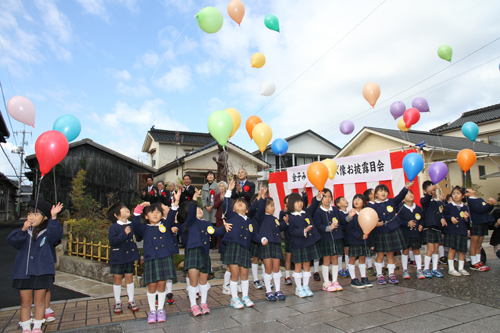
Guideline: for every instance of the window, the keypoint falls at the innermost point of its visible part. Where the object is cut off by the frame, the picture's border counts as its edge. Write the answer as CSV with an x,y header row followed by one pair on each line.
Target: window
x,y
153,159
177,172
286,161
494,140
301,161
482,170
309,160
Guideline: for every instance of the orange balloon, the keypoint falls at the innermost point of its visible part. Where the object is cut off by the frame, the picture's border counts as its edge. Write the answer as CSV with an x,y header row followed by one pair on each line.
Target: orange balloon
x,y
251,122
317,173
367,219
466,159
236,10
371,92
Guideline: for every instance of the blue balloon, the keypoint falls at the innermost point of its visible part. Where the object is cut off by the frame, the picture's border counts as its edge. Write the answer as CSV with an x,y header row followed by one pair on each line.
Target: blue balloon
x,y
470,130
279,147
413,163
69,126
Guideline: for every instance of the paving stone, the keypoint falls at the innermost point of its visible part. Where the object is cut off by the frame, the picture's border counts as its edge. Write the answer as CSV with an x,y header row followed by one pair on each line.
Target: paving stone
x,y
246,317
414,309
376,330
205,326
319,305
318,328
270,326
447,301
290,301
427,323
363,322
355,309
483,325
468,312
409,297
308,319
366,294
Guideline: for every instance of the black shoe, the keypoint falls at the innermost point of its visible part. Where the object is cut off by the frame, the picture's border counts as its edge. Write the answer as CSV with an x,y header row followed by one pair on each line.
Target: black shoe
x,y
443,261
316,276
356,284
366,282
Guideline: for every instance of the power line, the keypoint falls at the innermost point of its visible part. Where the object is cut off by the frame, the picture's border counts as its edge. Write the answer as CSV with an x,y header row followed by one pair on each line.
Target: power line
x,y
7,112
15,171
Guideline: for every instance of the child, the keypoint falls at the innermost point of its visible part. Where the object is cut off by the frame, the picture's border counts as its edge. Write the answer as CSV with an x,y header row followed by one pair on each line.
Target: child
x,y
237,244
330,245
270,254
369,195
124,253
480,218
359,243
412,223
388,237
304,238
158,252
455,231
34,268
288,242
342,205
254,247
433,223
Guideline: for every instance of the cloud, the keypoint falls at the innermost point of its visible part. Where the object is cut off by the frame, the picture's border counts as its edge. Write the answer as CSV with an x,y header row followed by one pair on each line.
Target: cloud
x,y
178,79
123,75
95,7
54,20
149,59
138,90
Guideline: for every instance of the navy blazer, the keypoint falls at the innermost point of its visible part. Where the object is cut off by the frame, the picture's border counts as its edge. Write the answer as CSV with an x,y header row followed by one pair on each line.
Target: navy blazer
x,y
247,195
35,257
163,198
387,213
355,234
479,211
123,246
270,226
283,213
450,210
323,219
433,212
297,224
406,216
200,231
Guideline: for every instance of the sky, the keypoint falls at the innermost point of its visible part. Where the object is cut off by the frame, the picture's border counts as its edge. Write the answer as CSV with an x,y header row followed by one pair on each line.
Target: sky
x,y
95,59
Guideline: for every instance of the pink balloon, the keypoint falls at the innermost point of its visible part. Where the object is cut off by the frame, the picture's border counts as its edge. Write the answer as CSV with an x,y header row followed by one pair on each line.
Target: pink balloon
x,y
22,110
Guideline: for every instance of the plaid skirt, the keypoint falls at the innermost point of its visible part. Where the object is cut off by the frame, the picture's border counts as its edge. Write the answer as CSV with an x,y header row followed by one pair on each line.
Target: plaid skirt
x,y
271,250
432,236
456,242
413,242
359,250
288,246
305,255
254,249
120,269
327,249
195,258
479,229
345,241
34,282
237,254
159,270
389,242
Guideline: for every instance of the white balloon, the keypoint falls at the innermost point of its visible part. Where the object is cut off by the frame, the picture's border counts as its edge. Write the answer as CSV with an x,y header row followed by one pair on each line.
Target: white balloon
x,y
267,88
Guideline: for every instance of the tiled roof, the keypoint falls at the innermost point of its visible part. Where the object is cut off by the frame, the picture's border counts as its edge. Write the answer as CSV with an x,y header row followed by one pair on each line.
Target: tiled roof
x,y
476,116
178,136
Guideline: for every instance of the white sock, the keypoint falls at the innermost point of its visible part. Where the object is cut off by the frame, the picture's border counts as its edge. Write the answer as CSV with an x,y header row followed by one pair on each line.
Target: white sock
x,y
287,274
263,269
316,265
233,286
306,276
404,262
461,264
227,278
441,250
435,261
117,290
335,273
267,282
391,268
362,270
451,265
418,261
203,292
478,257
277,281
169,286
26,325
369,262
192,294
37,324
473,260
340,262
352,271
412,255
378,267
427,261
49,310
324,271
188,282
255,272
161,299
298,279
130,291
244,288
152,301
346,260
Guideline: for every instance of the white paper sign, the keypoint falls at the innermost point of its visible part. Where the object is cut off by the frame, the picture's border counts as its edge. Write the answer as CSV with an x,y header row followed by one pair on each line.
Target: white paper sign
x,y
369,167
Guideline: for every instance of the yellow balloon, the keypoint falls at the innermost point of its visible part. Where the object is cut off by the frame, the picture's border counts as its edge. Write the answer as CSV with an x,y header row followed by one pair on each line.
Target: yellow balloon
x,y
332,167
262,135
402,126
258,60
235,115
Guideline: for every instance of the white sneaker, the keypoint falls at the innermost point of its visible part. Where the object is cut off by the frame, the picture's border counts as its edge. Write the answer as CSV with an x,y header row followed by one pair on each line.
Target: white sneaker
x,y
226,290
464,272
454,273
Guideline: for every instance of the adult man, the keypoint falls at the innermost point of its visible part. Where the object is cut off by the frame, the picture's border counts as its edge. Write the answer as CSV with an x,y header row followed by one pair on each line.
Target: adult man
x,y
162,196
170,193
149,192
244,188
188,190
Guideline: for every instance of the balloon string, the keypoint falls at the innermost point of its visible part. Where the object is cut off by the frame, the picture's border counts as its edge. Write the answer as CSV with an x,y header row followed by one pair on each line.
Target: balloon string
x,y
36,201
333,240
55,188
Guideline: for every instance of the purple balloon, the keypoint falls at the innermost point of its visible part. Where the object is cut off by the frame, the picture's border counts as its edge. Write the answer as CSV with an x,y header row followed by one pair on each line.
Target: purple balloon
x,y
397,109
420,104
346,127
438,172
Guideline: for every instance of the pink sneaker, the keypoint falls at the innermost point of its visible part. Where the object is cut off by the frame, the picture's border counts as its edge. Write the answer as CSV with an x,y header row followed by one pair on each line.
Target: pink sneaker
x,y
195,311
49,317
152,317
37,330
335,287
27,331
204,308
327,286
161,316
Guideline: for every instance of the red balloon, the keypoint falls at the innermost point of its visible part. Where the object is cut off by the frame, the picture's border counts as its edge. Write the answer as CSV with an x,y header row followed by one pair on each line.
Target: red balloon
x,y
411,117
50,148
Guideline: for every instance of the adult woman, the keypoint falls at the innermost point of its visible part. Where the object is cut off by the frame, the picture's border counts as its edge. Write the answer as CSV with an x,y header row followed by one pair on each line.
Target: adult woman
x,y
208,193
218,199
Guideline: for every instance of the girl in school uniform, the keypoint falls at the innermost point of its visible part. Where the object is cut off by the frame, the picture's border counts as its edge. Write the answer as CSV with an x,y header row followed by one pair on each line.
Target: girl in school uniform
x,y
455,231
388,236
159,250
330,246
124,253
288,242
342,205
254,246
304,238
369,195
34,268
359,243
412,223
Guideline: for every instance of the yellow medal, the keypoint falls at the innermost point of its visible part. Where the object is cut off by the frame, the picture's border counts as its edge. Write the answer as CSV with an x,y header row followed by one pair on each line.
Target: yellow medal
x,y
210,230
462,214
308,222
417,216
390,209
250,227
162,228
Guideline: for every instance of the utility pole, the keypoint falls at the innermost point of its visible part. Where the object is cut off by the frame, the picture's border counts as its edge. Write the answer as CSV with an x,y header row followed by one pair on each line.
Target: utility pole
x,y
20,150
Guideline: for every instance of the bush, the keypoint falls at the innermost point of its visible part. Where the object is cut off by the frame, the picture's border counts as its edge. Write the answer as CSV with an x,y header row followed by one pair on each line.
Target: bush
x,y
94,231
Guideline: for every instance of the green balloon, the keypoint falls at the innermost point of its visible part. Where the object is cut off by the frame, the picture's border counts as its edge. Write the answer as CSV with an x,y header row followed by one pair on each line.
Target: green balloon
x,y
271,22
210,19
445,52
220,126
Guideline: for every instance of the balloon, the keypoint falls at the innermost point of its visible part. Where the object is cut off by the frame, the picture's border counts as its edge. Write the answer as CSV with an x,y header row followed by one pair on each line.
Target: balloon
x,y
411,117
420,104
258,60
262,135
466,159
367,219
445,52
69,126
267,88
332,167
371,92
438,172
279,147
397,109
50,148
236,117
402,127
22,110
413,163
271,22
317,173
470,130
236,10
210,19
251,122
220,126
346,127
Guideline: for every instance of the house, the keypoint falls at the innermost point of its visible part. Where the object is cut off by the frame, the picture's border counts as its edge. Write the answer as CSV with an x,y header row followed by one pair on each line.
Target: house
x,y
107,172
4,131
437,147
8,198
